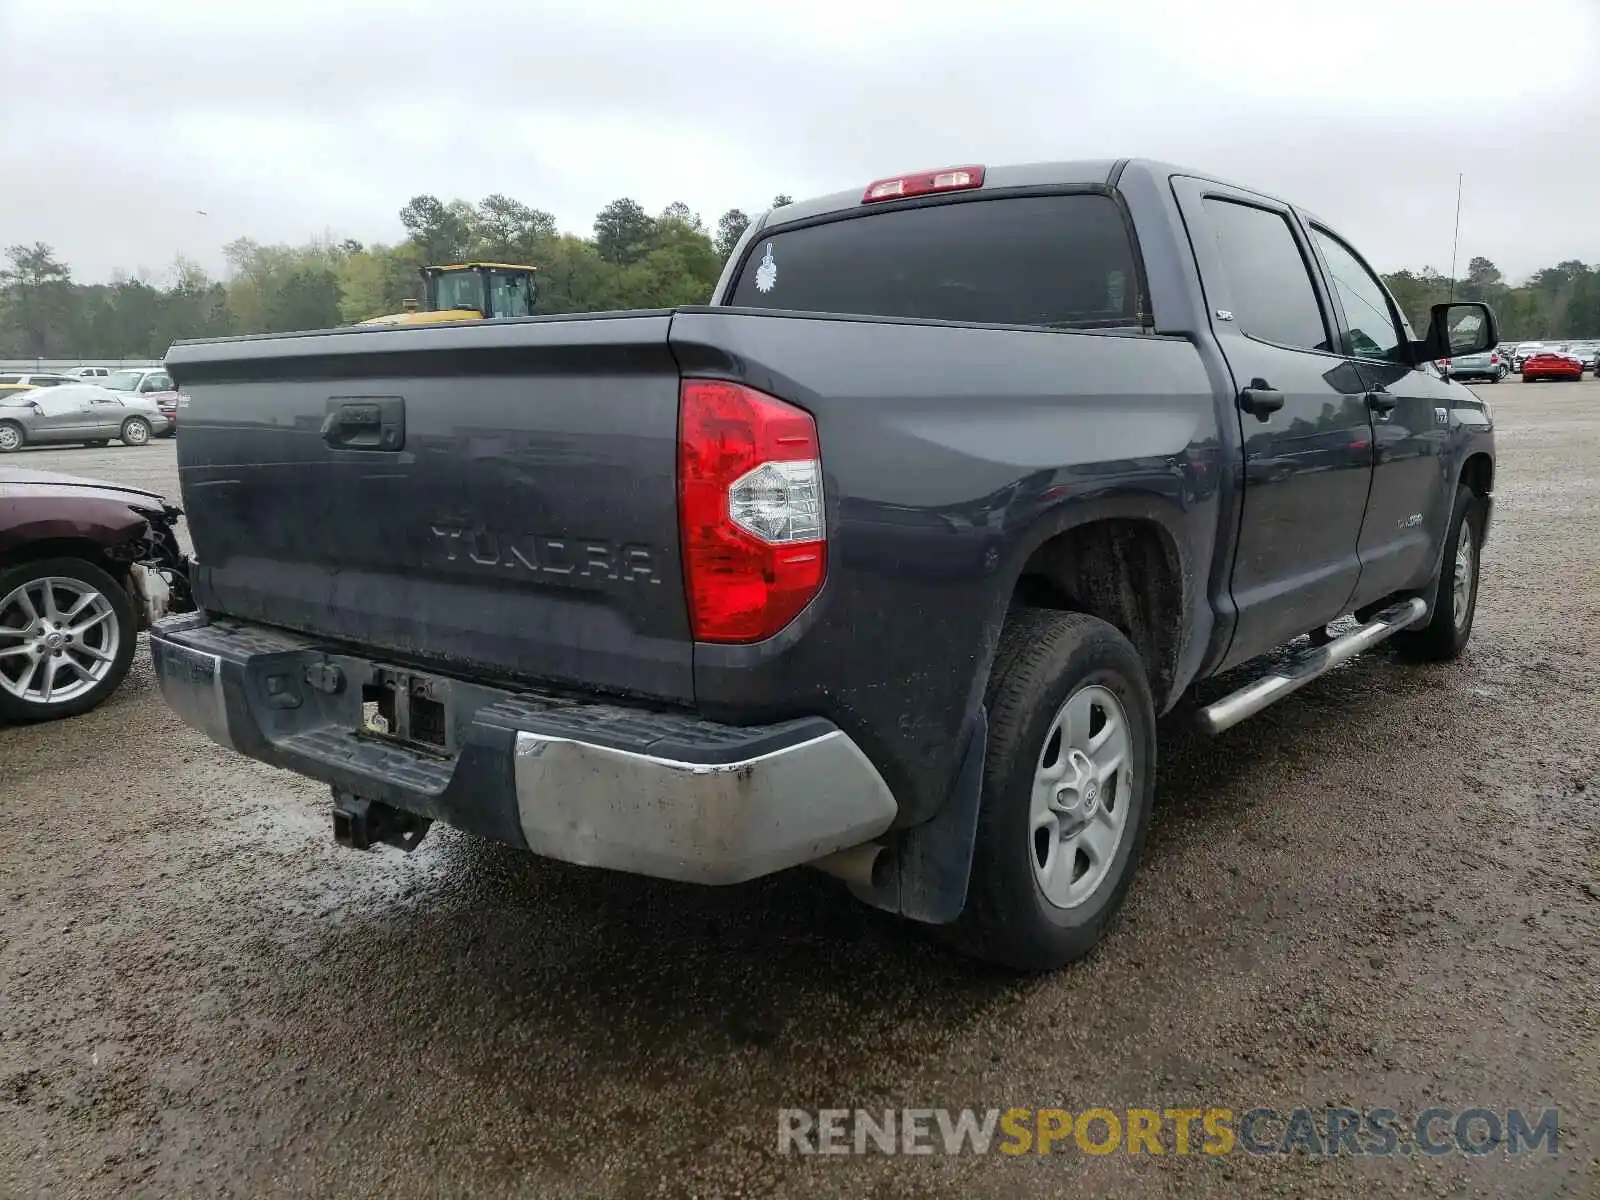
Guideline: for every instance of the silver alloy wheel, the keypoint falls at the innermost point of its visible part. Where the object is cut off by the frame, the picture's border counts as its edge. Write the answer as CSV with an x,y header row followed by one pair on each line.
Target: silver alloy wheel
x,y
58,639
1082,791
10,439
1464,582
136,432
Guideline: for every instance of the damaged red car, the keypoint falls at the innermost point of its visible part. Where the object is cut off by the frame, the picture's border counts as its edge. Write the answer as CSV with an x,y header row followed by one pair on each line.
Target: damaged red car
x,y
84,566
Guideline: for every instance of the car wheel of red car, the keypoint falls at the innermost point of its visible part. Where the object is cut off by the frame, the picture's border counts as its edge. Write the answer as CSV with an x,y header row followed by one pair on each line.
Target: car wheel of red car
x,y
67,634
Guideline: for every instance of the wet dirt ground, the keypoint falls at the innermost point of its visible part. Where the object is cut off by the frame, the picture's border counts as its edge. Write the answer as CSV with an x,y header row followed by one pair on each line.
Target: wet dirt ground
x,y
1383,892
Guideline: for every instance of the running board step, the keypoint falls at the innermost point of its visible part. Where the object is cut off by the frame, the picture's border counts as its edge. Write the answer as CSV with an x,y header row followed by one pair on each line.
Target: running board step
x,y
1307,665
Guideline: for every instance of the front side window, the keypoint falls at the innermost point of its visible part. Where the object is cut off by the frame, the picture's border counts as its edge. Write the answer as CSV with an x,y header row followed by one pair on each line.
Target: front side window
x,y
1374,333
510,295
1272,294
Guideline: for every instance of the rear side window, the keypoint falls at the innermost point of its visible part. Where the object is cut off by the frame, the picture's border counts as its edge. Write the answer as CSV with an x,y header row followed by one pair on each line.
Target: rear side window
x,y
1063,262
1272,294
10,379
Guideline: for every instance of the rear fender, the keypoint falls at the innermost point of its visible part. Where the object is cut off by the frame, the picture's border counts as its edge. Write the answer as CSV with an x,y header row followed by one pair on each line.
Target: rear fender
x,y
1071,514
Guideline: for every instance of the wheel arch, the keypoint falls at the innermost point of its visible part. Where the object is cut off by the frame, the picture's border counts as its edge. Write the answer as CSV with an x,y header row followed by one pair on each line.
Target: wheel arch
x,y
1123,562
90,551
1477,473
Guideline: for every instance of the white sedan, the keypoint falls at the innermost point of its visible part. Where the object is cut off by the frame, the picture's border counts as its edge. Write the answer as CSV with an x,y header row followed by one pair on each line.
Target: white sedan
x,y
78,412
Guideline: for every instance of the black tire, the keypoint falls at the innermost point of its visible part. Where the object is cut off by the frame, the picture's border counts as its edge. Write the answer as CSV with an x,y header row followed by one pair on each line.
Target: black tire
x,y
1044,658
15,708
12,438
135,432
1444,637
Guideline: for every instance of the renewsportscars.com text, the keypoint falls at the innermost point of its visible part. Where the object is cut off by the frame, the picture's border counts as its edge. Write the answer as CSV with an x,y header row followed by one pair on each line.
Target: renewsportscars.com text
x,y
1372,1132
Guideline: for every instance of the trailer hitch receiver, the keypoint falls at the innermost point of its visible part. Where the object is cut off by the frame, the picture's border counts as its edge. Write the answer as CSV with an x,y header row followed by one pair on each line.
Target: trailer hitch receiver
x,y
361,824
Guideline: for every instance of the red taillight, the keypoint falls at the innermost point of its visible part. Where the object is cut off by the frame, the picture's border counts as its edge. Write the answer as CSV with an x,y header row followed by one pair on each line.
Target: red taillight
x,y
898,187
755,548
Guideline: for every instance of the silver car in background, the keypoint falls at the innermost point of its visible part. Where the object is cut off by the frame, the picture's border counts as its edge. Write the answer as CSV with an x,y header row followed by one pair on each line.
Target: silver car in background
x,y
1588,351
77,412
1489,365
1521,353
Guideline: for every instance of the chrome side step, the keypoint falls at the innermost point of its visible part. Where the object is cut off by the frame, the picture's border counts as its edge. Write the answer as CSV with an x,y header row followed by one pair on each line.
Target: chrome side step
x,y
1307,665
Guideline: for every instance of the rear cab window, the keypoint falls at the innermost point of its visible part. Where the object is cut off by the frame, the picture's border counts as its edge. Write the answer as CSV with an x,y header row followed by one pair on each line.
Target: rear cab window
x,y
1057,262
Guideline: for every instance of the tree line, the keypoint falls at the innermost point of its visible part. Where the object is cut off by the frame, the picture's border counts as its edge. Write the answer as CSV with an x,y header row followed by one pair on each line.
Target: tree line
x,y
630,260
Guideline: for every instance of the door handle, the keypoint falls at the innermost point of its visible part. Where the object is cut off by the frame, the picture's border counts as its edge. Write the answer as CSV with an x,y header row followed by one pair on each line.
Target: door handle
x,y
1382,402
1260,399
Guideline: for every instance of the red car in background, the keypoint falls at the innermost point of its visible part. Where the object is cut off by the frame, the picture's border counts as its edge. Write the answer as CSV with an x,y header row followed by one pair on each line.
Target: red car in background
x,y
1551,364
169,403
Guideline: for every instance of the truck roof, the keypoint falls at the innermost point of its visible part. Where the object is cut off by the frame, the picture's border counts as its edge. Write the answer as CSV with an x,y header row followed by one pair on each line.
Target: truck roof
x,y
1077,172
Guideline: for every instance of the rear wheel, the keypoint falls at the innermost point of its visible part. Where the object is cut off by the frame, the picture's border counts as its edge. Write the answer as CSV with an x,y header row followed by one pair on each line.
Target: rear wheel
x,y
11,437
1455,589
67,632
1069,780
135,431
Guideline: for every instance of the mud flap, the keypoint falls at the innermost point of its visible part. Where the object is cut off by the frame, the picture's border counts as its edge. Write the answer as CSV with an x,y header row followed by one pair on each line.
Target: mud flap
x,y
927,873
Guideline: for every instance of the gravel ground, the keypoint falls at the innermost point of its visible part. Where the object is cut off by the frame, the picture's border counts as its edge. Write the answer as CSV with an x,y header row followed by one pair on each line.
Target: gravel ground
x,y
1384,891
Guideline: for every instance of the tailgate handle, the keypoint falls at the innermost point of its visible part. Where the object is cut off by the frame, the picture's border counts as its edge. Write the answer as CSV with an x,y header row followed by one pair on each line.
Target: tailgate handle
x,y
367,423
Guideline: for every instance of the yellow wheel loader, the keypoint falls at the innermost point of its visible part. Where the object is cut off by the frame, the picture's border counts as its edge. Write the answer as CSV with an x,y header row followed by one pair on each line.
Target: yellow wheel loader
x,y
472,291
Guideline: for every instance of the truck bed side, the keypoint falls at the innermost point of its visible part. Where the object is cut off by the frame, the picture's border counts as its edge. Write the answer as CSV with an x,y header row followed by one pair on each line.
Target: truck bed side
x,y
951,454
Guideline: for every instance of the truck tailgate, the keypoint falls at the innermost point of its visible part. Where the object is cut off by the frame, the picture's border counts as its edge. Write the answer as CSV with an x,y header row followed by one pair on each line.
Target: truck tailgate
x,y
495,498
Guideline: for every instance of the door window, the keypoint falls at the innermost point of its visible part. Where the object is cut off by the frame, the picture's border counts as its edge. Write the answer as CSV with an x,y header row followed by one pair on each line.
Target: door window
x,y
1374,332
1269,282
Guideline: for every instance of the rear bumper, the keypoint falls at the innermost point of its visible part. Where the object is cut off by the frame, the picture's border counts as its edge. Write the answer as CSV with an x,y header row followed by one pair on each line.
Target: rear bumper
x,y
654,793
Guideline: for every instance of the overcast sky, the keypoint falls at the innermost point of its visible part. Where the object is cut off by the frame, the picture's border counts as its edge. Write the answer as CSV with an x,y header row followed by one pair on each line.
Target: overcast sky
x,y
121,122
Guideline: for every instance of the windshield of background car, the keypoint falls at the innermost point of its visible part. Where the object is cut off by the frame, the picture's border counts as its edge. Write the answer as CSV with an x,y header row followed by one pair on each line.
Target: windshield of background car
x,y
1061,262
123,381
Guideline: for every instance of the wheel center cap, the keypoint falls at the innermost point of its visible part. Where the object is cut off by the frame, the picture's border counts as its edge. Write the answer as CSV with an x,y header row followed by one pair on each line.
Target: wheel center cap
x,y
53,641
1091,797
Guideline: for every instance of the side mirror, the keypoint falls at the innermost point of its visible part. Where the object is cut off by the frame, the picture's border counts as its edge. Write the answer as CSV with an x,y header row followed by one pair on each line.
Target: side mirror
x,y
1464,327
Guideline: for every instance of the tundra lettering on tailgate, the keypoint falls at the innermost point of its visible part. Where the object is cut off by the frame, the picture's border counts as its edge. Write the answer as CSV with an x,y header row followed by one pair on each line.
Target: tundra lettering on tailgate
x,y
544,554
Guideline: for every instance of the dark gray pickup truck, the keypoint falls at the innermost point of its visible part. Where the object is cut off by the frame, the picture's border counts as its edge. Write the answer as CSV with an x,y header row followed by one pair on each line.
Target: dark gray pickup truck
x,y
884,562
